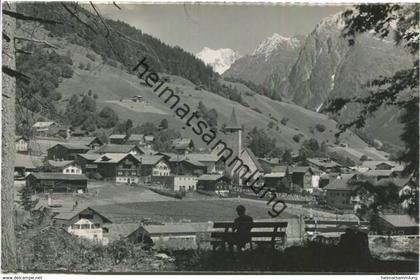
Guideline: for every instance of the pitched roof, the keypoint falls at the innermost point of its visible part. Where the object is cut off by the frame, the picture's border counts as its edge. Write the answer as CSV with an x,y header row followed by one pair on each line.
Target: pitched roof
x,y
150,159
374,173
202,157
117,136
58,176
136,137
114,148
89,156
60,163
72,146
18,137
271,161
371,164
182,143
300,169
25,161
83,140
253,158
210,177
113,158
42,124
279,168
323,162
71,213
341,183
233,121
149,138
118,231
400,220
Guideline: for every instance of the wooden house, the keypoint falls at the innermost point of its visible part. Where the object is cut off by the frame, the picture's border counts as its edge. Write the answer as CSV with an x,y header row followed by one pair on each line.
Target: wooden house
x,y
56,182
119,167
66,151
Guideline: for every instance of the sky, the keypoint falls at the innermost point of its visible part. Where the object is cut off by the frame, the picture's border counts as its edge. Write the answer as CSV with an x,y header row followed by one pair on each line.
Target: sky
x,y
234,26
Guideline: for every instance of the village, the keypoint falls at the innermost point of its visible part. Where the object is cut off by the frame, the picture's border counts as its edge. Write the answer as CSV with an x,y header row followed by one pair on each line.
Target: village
x,y
125,189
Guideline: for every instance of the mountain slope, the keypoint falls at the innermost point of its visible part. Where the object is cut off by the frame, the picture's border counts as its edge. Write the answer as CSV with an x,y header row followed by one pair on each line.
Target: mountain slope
x,y
114,86
327,67
220,60
270,61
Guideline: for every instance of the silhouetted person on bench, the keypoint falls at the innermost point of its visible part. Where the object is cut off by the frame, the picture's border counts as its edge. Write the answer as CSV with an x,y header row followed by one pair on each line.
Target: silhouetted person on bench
x,y
242,227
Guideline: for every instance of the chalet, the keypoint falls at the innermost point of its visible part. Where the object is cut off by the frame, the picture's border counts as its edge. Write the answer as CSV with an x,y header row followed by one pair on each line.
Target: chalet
x,y
135,139
79,133
177,183
213,163
87,163
90,142
182,145
56,182
24,165
154,166
181,166
119,149
149,139
340,191
327,178
123,168
379,165
21,144
377,174
64,166
268,163
302,176
43,126
117,138
85,223
66,151
395,224
278,179
214,183
127,231
324,164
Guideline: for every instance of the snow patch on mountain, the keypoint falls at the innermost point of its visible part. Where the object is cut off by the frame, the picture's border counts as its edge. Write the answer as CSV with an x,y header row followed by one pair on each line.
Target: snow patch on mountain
x,y
220,60
272,43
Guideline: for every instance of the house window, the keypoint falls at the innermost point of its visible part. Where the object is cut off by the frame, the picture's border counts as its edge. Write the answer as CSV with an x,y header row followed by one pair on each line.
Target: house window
x,y
120,173
133,173
85,226
72,170
75,226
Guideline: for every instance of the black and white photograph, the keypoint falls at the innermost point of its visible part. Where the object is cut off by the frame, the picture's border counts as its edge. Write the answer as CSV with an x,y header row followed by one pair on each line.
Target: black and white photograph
x,y
209,138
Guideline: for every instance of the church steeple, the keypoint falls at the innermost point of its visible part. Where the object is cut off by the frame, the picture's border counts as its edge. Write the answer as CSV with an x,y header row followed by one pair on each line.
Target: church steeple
x,y
233,124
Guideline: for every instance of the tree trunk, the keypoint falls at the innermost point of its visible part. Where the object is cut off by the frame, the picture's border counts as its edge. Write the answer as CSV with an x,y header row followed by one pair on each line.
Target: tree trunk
x,y
8,242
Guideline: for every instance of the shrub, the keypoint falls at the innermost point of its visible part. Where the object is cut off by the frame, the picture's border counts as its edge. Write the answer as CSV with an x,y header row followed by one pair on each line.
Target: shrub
x,y
320,127
297,138
284,121
91,56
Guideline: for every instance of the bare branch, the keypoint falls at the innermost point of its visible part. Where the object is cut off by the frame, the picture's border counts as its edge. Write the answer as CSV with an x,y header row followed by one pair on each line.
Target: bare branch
x,y
77,18
31,18
100,17
115,4
14,73
7,38
36,41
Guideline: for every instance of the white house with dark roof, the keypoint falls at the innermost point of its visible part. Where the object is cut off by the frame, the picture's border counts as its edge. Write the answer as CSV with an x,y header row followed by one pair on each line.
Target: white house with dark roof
x,y
85,223
21,144
64,166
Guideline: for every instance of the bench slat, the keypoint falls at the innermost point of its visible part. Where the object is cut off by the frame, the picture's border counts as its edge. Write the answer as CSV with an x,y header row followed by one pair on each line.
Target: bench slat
x,y
311,222
329,229
253,225
251,234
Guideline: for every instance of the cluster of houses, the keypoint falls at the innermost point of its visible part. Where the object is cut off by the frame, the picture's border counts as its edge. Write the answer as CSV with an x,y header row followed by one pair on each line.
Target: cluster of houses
x,y
130,159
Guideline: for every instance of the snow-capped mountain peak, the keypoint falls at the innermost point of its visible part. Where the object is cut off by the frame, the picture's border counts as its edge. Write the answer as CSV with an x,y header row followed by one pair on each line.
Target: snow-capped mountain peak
x,y
273,42
220,60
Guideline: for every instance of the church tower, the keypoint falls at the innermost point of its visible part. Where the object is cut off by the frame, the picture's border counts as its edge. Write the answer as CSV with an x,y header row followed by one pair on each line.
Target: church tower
x,y
234,140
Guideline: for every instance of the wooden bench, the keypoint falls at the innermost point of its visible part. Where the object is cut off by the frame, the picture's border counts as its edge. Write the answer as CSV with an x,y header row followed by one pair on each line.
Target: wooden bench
x,y
332,228
274,231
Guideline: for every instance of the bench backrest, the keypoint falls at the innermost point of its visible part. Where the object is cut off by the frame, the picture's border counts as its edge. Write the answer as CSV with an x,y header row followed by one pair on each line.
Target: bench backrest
x,y
331,226
273,225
